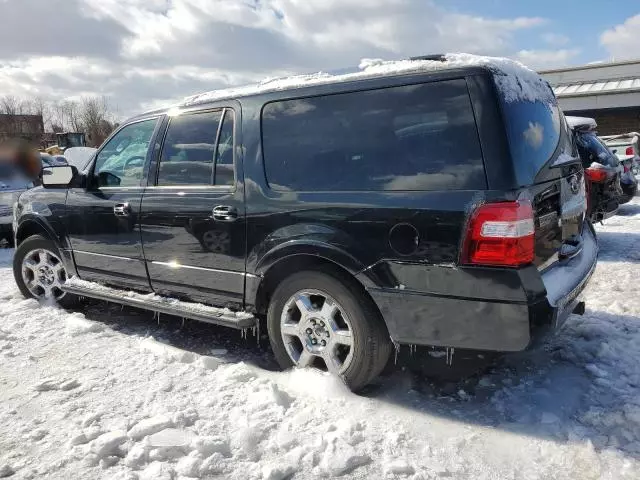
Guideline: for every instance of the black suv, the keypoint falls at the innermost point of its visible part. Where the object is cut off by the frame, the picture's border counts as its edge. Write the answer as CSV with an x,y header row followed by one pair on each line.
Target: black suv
x,y
440,203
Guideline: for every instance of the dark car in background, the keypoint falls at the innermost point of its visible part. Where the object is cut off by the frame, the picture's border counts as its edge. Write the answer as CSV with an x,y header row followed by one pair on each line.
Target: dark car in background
x,y
429,202
601,168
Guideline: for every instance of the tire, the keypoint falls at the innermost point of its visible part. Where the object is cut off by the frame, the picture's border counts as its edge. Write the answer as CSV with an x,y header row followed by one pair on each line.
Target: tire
x,y
34,247
358,363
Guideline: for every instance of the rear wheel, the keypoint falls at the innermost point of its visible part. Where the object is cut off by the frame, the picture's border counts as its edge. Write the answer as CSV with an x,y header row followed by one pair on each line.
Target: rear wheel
x,y
39,271
320,320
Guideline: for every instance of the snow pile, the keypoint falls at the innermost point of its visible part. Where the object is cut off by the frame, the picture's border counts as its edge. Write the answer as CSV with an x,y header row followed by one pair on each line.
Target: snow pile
x,y
90,396
515,81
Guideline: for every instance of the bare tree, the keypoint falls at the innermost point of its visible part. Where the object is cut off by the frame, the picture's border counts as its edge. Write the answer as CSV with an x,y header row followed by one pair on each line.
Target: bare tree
x,y
96,119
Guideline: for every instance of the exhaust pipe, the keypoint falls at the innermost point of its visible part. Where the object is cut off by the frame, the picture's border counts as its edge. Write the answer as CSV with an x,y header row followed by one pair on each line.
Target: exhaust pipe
x,y
579,309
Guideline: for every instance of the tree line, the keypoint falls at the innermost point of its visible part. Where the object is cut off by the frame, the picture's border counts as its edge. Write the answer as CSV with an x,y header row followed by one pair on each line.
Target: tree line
x,y
92,115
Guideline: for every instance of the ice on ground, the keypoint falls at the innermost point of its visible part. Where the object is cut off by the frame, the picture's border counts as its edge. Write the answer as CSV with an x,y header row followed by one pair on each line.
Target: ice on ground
x,y
566,409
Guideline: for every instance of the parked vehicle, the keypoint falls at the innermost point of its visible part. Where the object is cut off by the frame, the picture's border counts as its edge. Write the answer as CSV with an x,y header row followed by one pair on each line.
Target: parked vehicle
x,y
51,160
626,147
601,168
443,204
12,184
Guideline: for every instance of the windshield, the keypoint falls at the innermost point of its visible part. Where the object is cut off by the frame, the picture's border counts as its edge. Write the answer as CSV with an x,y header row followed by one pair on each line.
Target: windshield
x,y
592,149
534,131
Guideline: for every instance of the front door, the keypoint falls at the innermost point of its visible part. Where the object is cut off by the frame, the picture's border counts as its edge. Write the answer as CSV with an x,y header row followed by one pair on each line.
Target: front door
x,y
193,216
103,217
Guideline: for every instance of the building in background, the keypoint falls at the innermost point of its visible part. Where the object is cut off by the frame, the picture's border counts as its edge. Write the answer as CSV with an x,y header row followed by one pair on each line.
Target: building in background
x,y
29,127
608,92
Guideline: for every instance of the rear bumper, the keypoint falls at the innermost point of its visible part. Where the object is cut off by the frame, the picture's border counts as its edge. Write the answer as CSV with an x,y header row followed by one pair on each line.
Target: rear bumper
x,y
629,190
547,299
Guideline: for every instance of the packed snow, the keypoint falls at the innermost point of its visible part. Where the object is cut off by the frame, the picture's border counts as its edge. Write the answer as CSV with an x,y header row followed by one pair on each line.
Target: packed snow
x,y
109,393
515,81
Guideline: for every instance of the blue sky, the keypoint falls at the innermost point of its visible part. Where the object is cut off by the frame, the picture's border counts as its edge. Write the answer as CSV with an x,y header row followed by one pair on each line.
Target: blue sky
x,y
582,22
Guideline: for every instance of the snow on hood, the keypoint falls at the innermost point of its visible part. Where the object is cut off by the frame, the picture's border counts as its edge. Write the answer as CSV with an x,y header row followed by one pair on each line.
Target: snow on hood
x,y
514,80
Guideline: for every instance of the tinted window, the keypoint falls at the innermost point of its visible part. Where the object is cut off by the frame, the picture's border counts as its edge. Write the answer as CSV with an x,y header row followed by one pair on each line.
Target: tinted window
x,y
592,150
224,154
190,147
121,162
418,137
534,130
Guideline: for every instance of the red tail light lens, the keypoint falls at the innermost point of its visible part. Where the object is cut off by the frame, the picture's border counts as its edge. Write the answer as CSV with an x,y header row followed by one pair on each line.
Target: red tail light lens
x,y
595,175
629,151
500,234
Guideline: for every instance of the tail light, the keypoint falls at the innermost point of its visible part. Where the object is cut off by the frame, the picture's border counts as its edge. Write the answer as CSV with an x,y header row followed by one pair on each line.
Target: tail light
x,y
596,175
500,234
629,151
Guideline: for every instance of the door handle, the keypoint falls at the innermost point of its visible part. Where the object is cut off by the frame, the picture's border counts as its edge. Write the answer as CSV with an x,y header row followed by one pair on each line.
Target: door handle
x,y
224,213
121,209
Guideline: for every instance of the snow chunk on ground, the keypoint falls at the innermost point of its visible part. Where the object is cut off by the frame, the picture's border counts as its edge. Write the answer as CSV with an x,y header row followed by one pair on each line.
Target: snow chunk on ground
x,y
78,325
167,351
107,443
340,458
149,426
6,470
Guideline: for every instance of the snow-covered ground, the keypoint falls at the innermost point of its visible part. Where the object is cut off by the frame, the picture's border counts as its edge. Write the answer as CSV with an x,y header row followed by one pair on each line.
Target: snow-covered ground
x,y
112,393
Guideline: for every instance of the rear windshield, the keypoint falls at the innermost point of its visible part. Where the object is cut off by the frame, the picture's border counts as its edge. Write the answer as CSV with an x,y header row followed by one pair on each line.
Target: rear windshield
x,y
414,137
534,130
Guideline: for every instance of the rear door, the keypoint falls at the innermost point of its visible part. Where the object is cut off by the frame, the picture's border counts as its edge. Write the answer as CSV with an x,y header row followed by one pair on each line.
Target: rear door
x,y
103,217
547,165
193,216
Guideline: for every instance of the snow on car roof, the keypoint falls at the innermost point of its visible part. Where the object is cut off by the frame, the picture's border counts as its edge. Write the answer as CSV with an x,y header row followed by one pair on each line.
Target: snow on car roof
x,y
581,122
515,81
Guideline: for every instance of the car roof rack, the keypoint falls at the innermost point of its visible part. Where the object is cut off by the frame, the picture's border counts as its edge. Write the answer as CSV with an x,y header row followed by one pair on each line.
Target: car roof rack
x,y
438,57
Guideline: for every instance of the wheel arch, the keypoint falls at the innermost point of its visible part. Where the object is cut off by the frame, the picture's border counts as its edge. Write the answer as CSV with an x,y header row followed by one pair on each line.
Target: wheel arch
x,y
31,226
285,266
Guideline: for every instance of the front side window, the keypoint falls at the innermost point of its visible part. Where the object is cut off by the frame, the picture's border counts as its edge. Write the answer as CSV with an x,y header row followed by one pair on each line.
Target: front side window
x,y
189,154
415,137
121,162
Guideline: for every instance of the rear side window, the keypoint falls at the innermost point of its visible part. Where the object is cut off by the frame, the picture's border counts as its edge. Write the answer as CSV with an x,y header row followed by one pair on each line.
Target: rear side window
x,y
416,137
534,130
198,150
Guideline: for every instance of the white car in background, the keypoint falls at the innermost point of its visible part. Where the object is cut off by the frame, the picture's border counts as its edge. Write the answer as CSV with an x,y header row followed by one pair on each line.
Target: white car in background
x,y
626,147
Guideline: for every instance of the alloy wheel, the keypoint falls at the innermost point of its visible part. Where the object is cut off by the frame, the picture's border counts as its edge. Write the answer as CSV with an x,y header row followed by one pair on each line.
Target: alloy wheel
x,y
316,331
43,273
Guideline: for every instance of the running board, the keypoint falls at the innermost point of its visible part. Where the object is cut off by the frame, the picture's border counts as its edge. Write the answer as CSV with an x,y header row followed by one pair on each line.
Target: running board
x,y
156,303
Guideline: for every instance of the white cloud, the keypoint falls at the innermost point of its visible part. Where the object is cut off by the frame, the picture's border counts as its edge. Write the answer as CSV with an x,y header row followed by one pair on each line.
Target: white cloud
x,y
555,39
540,59
622,41
147,51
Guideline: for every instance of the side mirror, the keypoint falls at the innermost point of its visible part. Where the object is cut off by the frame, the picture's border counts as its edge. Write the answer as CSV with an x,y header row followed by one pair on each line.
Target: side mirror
x,y
59,176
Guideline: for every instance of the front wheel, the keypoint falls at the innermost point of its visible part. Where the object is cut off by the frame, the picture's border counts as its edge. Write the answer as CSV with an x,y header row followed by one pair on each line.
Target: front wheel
x,y
318,319
39,271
